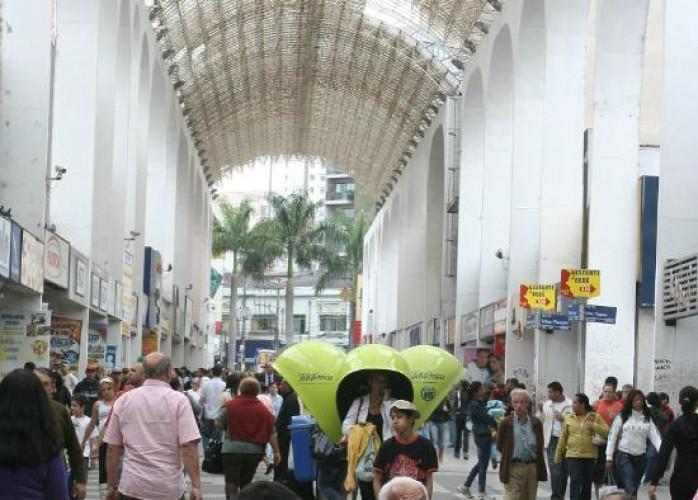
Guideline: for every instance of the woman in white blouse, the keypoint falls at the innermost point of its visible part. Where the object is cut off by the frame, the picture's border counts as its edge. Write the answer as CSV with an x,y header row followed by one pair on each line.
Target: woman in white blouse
x,y
628,441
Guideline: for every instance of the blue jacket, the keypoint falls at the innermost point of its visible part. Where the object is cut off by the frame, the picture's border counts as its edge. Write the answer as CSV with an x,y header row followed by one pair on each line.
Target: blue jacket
x,y
482,422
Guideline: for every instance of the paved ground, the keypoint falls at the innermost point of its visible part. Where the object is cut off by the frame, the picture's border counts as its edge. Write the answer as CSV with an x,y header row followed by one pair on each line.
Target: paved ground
x,y
452,473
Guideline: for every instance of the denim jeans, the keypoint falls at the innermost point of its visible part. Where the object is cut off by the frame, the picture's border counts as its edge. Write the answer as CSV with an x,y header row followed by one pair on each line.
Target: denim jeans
x,y
462,434
437,434
630,468
581,471
651,457
330,480
558,472
484,449
208,432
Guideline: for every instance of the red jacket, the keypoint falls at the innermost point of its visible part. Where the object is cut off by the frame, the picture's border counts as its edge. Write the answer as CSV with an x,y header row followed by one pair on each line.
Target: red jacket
x,y
249,420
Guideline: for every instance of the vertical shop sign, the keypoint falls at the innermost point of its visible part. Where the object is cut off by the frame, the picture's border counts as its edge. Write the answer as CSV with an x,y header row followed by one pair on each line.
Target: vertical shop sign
x,y
16,253
127,289
65,341
500,317
57,260
80,276
32,262
5,243
96,340
110,357
150,342
94,291
103,295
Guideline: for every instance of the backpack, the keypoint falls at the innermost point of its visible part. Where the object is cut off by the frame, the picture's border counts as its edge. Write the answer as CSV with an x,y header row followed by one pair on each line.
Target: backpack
x,y
213,457
364,467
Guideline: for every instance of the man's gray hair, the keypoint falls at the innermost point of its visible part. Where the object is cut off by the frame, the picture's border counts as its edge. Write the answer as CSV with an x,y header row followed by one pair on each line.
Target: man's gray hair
x,y
417,491
520,392
157,370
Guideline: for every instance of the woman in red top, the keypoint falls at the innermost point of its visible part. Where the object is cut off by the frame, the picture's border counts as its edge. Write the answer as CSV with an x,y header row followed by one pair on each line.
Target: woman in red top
x,y
248,426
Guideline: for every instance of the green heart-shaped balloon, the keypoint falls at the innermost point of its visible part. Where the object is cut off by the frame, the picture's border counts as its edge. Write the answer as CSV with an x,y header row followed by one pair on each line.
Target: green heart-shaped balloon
x,y
327,380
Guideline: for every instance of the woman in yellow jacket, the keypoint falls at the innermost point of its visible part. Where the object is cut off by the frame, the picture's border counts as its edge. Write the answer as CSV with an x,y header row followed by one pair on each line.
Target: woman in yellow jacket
x,y
577,447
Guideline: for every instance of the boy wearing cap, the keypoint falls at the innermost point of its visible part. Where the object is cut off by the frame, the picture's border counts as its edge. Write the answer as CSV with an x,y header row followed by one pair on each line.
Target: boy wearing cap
x,y
406,453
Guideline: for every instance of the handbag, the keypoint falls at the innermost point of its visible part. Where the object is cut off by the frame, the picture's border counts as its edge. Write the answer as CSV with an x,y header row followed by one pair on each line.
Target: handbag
x,y
597,439
324,450
213,457
364,468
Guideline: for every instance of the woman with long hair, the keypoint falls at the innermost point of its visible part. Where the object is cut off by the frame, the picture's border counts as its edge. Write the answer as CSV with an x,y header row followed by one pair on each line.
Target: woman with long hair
x,y
576,445
31,465
482,427
628,437
682,434
100,412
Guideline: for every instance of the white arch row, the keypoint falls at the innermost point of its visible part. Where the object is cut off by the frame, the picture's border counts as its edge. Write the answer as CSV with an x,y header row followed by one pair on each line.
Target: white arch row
x,y
131,156
524,110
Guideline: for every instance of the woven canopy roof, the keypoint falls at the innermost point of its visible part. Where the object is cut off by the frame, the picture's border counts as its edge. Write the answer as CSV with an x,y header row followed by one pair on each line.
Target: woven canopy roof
x,y
352,82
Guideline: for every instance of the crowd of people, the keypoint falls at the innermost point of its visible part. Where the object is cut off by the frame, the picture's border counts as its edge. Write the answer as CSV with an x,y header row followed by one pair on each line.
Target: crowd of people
x,y
140,429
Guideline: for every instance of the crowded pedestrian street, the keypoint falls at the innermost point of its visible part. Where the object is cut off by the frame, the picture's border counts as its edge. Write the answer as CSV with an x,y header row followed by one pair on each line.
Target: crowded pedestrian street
x,y
348,250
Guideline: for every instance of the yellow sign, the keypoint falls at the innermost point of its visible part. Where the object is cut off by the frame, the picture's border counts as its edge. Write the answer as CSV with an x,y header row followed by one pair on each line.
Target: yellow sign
x,y
580,283
538,297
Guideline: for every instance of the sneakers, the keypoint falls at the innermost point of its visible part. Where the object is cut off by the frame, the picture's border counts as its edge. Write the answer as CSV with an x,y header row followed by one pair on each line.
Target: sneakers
x,y
465,456
463,489
456,454
494,464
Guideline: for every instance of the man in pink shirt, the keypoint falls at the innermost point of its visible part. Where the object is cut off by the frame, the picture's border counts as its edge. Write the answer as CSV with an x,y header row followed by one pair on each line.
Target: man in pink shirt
x,y
154,427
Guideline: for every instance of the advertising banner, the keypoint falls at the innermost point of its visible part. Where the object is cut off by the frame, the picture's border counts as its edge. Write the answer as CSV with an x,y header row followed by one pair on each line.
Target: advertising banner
x,y
542,297
16,347
65,341
80,277
150,342
103,295
468,327
16,253
127,298
500,317
5,242
32,262
57,260
96,340
110,357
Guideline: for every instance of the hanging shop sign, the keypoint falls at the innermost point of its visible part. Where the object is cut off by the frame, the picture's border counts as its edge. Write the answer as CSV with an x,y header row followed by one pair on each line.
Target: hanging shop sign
x,y
80,276
500,317
96,343
468,327
16,253
5,243
110,357
103,295
150,342
65,341
580,283
559,322
486,328
542,297
128,303
57,260
32,262
94,291
152,285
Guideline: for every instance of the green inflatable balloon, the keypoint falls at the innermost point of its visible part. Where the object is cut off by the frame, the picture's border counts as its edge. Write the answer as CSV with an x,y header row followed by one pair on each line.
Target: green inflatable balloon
x,y
314,370
433,373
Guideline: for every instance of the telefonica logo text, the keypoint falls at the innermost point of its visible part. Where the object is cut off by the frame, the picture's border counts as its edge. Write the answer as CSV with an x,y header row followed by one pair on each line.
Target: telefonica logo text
x,y
427,376
315,377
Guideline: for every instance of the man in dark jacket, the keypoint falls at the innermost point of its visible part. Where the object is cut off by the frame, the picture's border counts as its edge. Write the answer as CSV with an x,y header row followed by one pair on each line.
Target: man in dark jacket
x,y
520,440
89,386
460,410
289,408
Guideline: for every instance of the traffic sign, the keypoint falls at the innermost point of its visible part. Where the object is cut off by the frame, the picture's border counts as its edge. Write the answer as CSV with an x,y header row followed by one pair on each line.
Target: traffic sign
x,y
574,312
600,314
558,322
580,283
538,297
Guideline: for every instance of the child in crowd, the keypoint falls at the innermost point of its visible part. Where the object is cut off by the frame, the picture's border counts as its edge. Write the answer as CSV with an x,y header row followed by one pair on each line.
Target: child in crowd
x,y
80,422
496,410
406,453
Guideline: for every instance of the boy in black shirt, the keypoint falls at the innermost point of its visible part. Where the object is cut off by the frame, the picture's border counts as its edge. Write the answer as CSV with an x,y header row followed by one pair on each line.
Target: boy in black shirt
x,y
406,453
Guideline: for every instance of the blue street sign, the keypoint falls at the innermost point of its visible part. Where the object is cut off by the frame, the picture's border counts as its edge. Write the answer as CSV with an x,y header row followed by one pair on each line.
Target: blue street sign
x,y
600,314
531,320
574,312
558,322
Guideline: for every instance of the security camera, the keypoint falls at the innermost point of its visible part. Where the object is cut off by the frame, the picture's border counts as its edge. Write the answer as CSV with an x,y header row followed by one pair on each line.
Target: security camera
x,y
60,170
499,254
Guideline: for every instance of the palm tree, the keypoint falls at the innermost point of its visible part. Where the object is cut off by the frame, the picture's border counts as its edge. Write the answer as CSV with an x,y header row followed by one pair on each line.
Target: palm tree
x,y
294,234
232,233
347,263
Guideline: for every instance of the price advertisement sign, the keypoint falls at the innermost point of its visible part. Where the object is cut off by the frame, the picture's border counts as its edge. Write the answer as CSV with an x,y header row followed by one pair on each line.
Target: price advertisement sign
x,y
580,283
542,297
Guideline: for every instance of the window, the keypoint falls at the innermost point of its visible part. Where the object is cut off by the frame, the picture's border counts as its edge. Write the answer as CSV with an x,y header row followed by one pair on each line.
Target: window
x,y
333,323
262,322
298,324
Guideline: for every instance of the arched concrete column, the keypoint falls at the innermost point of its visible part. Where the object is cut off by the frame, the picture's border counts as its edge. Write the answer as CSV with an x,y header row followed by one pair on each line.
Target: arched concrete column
x,y
524,248
677,231
470,202
613,228
391,261
156,209
497,171
434,234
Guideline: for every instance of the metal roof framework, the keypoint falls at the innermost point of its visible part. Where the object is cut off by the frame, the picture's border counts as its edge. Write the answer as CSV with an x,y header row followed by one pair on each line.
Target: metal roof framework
x,y
354,82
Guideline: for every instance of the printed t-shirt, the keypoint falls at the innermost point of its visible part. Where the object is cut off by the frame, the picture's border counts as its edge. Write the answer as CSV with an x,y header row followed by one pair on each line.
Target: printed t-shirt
x,y
415,458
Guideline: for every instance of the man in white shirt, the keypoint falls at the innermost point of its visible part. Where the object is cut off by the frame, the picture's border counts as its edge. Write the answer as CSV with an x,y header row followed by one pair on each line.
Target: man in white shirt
x,y
478,369
553,413
69,380
209,400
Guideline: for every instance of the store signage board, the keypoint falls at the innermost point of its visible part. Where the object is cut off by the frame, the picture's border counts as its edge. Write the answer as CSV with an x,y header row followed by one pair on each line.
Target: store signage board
x,y
32,262
580,283
5,242
16,253
559,322
57,260
680,288
543,297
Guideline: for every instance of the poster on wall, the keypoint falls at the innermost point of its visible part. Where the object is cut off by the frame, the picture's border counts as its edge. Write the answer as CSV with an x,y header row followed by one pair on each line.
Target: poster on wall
x,y
57,260
16,347
103,295
65,341
32,262
5,241
94,291
16,253
96,340
150,342
110,357
80,276
39,323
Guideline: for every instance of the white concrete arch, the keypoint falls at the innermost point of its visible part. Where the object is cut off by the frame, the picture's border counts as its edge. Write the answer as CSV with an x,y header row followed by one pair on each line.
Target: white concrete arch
x,y
156,166
499,109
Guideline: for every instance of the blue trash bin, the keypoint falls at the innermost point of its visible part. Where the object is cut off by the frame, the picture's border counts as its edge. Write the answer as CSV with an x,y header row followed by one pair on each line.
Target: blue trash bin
x,y
303,464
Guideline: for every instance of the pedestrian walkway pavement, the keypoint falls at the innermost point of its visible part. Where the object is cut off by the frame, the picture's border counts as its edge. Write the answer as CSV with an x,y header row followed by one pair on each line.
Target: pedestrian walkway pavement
x,y
452,473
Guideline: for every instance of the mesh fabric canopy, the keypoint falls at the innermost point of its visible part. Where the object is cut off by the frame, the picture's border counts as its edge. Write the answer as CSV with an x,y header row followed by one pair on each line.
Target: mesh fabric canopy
x,y
352,82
